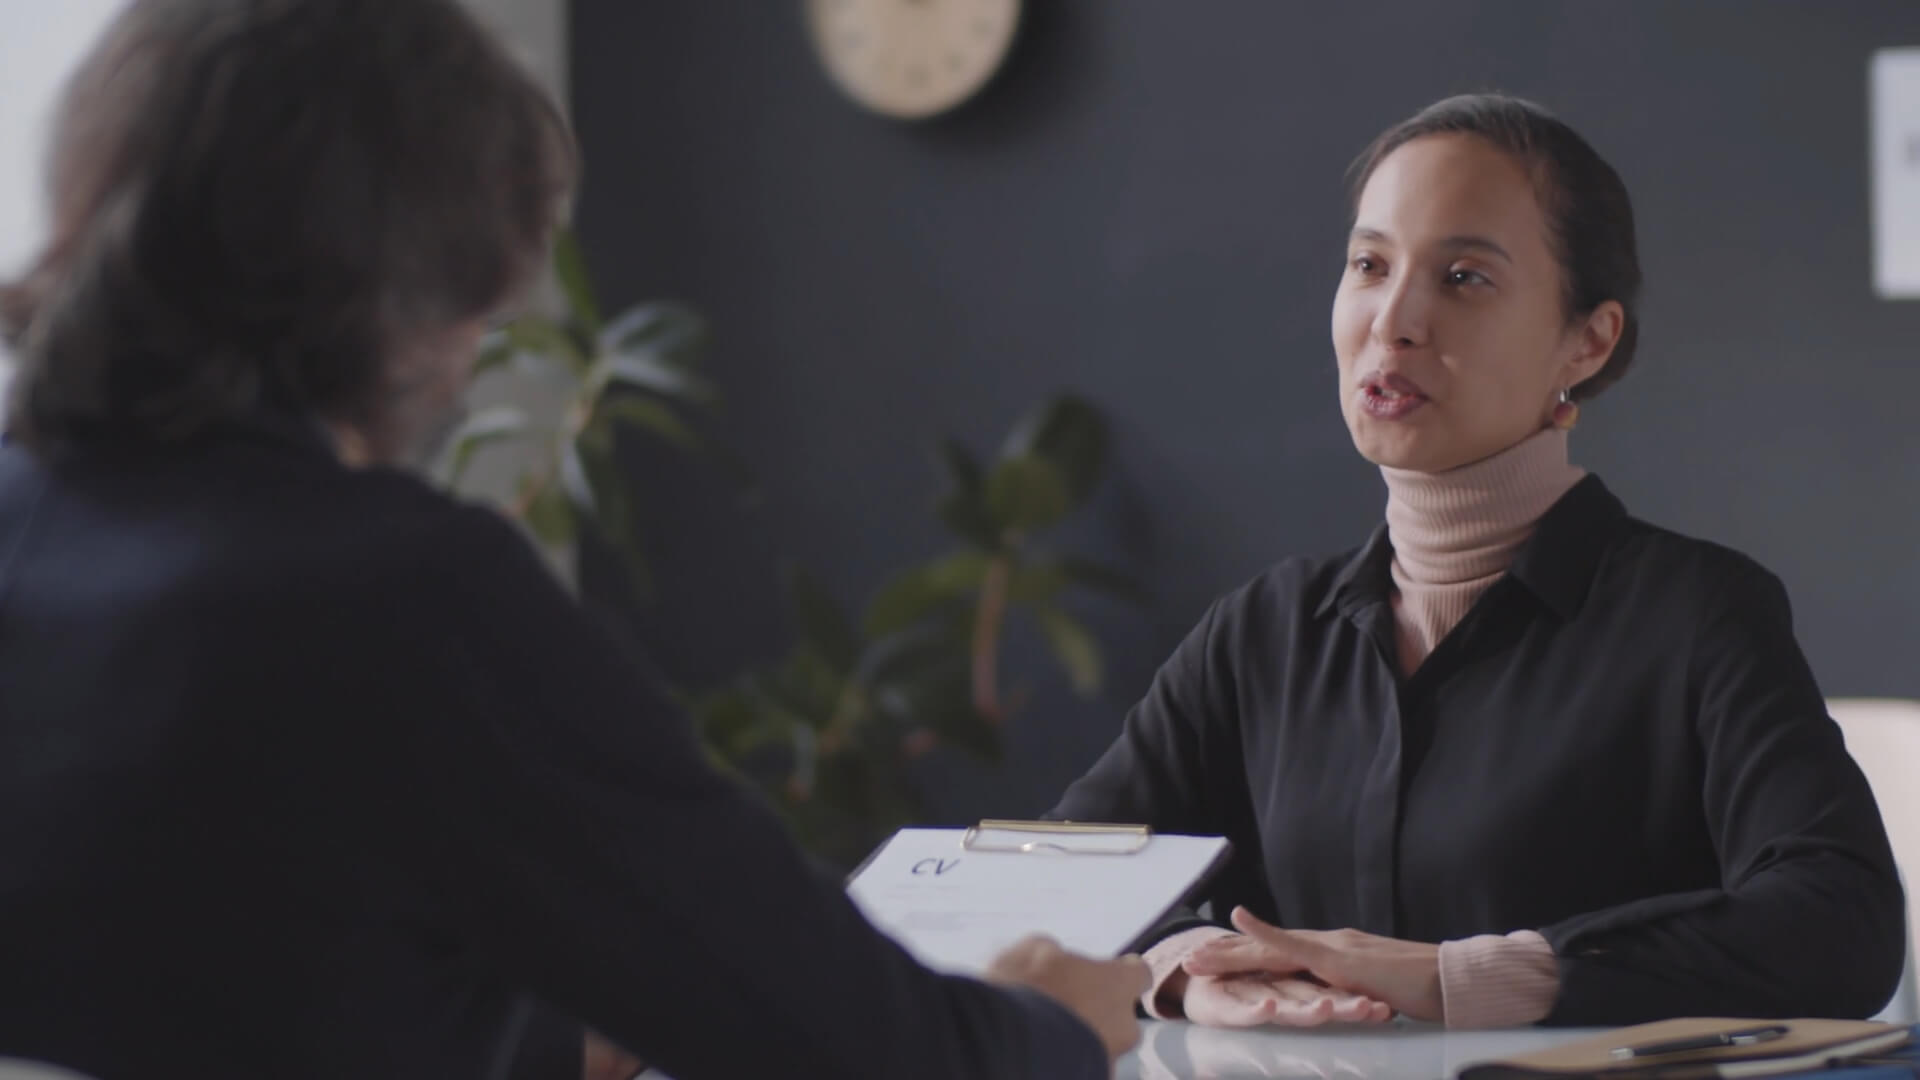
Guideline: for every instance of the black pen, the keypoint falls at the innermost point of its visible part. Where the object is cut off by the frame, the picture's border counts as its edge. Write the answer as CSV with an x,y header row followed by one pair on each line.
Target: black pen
x,y
1742,1037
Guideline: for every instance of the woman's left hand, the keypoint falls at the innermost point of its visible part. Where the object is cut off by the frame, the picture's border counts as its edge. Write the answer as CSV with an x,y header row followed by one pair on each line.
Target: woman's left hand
x,y
1404,974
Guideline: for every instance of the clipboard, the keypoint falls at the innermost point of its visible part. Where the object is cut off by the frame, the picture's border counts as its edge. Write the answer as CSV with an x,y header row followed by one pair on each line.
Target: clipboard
x,y
1061,837
1098,888
1807,1046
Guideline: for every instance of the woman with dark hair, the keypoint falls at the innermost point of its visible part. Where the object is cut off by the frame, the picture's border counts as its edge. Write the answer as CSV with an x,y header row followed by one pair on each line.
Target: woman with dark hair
x,y
1520,757
306,770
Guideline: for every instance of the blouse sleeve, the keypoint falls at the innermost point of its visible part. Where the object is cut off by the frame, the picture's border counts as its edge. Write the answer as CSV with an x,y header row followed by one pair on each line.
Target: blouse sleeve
x,y
1809,917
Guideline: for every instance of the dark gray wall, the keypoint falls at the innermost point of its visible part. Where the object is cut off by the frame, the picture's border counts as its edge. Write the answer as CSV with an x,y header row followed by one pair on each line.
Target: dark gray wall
x,y
1147,207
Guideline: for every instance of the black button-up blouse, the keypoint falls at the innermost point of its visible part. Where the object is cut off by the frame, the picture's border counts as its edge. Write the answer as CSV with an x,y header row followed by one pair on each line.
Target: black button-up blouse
x,y
1620,745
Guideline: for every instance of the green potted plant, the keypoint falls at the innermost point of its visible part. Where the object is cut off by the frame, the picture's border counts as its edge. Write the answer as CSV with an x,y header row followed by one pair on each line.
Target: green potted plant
x,y
829,730
637,372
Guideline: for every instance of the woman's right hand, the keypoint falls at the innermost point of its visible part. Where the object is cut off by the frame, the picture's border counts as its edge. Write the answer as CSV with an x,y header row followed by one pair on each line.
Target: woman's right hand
x,y
1251,1000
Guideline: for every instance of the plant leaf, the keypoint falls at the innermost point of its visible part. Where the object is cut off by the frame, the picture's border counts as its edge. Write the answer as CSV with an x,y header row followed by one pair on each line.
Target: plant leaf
x,y
969,520
573,480
733,722
774,690
907,653
596,437
672,331
654,417
570,269
1027,494
1076,648
808,686
644,370
481,427
964,507
823,627
1100,578
1071,434
493,422
496,351
961,571
914,594
1035,584
550,515
541,335
940,700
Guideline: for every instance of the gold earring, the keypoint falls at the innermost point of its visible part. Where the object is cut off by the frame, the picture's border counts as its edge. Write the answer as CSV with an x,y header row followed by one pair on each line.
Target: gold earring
x,y
1566,414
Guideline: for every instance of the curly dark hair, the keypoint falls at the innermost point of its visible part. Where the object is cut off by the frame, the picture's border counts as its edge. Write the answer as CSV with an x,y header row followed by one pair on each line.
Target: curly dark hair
x,y
1588,212
277,202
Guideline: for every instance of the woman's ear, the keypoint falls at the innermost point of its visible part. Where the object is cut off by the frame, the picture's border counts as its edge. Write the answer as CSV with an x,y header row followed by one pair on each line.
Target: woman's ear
x,y
1593,340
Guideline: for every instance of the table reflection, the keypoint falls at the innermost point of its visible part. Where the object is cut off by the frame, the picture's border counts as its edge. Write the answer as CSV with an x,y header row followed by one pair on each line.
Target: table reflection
x,y
1398,1051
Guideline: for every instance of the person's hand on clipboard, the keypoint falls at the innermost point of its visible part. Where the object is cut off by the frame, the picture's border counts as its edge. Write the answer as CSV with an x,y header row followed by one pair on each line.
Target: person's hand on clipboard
x,y
1102,993
1031,904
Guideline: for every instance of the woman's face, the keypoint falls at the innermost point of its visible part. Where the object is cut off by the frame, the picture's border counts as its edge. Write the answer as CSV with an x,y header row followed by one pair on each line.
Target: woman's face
x,y
1450,324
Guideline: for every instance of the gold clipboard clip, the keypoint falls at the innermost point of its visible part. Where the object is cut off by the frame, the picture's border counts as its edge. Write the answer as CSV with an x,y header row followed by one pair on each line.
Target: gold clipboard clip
x,y
1133,838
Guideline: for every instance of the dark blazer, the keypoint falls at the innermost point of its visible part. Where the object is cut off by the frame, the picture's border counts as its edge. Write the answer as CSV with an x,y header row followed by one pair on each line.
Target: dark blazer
x,y
1620,746
312,772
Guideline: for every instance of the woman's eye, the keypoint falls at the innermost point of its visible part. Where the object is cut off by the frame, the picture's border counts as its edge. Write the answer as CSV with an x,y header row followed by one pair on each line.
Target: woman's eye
x,y
1364,264
1466,277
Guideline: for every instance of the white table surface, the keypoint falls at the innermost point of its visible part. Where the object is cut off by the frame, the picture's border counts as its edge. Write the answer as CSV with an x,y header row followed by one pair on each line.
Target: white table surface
x,y
1397,1051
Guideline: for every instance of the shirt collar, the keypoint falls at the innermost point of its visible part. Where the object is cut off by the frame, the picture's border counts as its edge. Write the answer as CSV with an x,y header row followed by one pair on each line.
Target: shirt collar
x,y
1556,564
1365,578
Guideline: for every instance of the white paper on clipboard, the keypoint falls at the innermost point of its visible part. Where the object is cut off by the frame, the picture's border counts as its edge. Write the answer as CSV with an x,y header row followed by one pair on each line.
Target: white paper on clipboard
x,y
955,908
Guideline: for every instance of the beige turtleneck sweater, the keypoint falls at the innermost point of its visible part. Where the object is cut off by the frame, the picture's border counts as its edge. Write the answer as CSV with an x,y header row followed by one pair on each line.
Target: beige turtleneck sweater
x,y
1453,535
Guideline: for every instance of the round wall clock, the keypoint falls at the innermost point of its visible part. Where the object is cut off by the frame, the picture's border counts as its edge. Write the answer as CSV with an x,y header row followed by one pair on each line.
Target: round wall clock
x,y
912,58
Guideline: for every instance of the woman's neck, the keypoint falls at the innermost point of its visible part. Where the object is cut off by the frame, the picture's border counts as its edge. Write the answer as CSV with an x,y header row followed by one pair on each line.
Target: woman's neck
x,y
1466,523
1454,533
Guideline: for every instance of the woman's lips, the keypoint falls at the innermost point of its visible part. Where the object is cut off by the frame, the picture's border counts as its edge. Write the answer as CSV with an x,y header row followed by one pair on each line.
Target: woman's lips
x,y
1390,397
